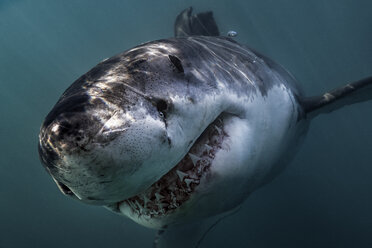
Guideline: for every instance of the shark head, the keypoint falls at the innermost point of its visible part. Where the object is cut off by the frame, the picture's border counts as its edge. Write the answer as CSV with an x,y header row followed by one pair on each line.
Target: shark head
x,y
126,123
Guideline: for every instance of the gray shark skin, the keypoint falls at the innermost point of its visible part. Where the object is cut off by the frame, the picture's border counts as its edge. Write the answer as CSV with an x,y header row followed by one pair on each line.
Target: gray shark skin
x,y
177,131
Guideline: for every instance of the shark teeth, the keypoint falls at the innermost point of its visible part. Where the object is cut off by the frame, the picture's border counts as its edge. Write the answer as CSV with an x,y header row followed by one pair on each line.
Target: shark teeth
x,y
145,200
138,205
189,181
158,196
194,158
173,197
173,204
131,204
219,130
209,148
181,174
176,187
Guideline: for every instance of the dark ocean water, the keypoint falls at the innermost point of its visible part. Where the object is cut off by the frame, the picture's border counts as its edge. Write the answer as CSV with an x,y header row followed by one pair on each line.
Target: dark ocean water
x,y
323,199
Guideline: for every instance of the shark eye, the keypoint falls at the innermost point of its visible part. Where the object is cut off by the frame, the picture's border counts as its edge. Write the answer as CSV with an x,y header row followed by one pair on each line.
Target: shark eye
x,y
162,105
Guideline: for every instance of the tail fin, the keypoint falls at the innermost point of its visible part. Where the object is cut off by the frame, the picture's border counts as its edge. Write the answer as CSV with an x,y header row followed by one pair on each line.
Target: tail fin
x,y
351,93
188,24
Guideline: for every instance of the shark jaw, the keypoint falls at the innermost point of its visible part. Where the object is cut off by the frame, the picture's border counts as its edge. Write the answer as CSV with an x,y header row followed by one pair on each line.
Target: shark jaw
x,y
174,189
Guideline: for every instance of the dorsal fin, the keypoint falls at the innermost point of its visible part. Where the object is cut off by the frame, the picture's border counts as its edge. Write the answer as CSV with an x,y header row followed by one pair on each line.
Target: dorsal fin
x,y
351,93
188,24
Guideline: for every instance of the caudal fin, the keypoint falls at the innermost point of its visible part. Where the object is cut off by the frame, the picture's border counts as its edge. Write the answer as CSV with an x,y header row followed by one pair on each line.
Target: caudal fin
x,y
188,24
351,93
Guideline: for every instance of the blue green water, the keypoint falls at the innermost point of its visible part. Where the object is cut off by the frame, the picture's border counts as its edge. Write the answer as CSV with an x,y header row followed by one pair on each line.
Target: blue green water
x,y
323,199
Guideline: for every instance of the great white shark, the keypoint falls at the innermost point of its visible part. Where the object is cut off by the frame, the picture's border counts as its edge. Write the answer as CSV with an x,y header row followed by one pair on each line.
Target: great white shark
x,y
176,131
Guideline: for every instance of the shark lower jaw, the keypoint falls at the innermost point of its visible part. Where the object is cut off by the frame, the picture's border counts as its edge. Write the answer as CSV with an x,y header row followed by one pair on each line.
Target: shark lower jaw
x,y
177,186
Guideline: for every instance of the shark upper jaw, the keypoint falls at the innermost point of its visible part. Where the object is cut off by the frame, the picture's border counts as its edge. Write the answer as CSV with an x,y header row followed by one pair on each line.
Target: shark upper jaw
x,y
77,174
177,186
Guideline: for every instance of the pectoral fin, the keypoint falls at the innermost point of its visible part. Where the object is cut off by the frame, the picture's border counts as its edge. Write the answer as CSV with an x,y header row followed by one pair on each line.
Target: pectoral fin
x,y
351,93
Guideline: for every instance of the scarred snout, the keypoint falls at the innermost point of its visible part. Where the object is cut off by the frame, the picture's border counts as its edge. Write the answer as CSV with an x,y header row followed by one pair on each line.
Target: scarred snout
x,y
102,153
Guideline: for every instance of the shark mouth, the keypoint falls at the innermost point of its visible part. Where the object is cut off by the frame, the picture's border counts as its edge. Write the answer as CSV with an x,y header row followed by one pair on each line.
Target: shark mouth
x,y
177,186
